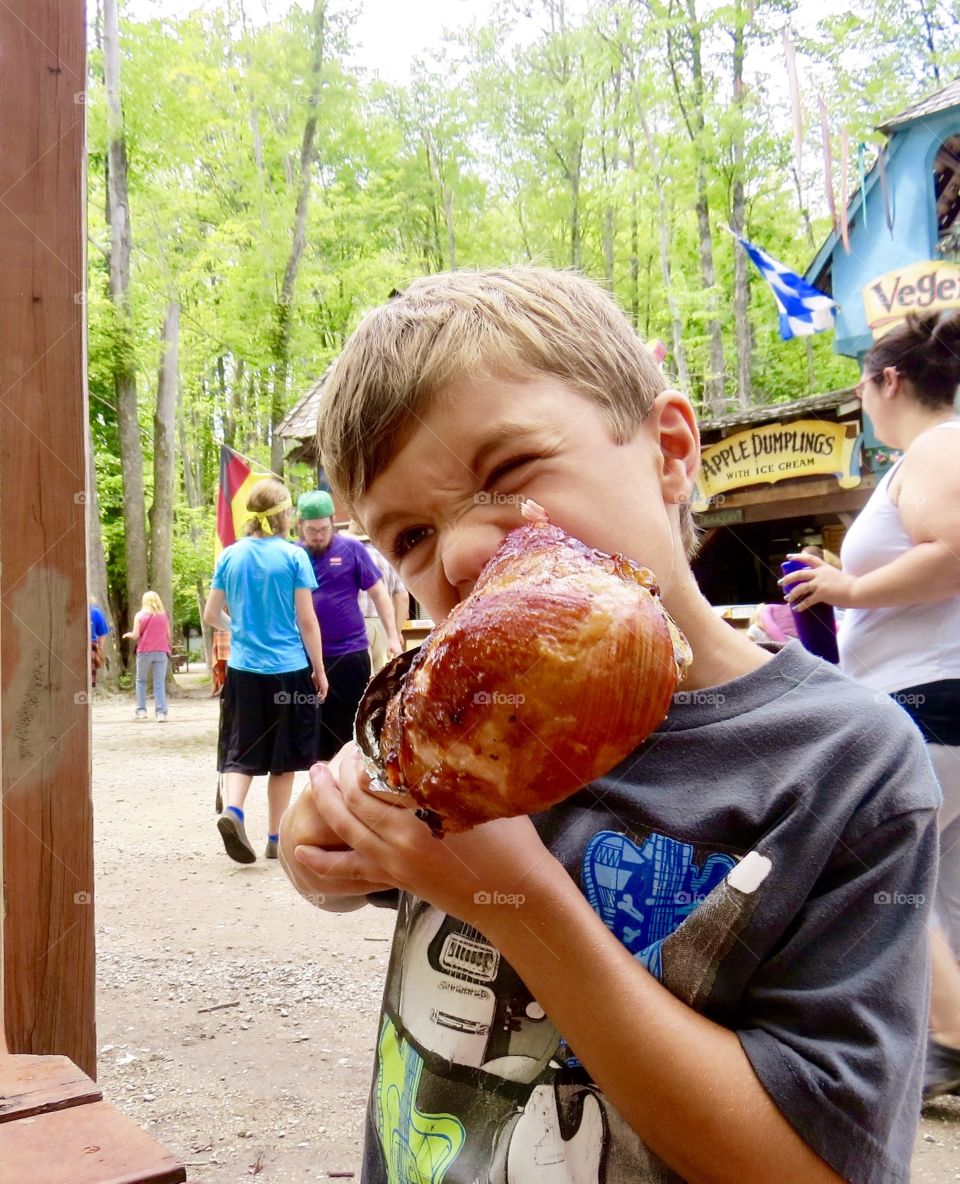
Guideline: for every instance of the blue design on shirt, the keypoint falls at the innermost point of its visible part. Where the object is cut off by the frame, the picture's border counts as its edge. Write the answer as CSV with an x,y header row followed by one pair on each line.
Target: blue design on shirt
x,y
642,893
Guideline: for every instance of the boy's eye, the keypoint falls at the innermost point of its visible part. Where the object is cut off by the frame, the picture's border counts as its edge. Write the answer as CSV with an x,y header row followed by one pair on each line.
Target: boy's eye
x,y
509,467
406,540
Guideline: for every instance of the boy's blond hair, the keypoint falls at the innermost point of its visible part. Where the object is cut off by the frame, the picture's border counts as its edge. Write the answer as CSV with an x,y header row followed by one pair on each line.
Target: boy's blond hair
x,y
519,321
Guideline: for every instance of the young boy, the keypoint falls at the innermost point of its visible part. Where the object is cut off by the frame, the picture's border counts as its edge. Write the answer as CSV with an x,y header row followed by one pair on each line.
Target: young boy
x,y
526,1033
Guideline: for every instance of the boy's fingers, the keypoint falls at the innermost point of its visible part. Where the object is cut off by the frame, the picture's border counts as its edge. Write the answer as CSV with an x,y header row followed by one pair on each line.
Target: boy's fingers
x,y
338,873
336,803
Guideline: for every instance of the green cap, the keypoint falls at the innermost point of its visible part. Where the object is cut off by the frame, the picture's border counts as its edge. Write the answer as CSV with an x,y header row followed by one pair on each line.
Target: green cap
x,y
315,504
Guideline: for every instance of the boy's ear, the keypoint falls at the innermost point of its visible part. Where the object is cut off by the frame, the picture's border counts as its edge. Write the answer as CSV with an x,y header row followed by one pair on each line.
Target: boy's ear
x,y
679,439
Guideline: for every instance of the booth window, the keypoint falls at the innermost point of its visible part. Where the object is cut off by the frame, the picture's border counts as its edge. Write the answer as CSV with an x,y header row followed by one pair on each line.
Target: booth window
x,y
946,188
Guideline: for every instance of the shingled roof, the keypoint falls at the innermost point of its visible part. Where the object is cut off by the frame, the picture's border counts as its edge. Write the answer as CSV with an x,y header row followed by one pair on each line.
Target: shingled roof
x,y
300,422
769,412
941,100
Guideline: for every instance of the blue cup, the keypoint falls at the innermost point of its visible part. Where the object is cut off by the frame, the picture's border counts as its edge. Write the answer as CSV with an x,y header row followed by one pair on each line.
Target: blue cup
x,y
816,627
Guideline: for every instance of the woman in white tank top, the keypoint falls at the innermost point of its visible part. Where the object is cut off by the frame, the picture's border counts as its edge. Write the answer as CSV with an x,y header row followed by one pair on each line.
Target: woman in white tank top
x,y
900,586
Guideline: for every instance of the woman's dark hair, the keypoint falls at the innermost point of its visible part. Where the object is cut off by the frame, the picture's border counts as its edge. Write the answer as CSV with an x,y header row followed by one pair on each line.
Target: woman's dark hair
x,y
926,351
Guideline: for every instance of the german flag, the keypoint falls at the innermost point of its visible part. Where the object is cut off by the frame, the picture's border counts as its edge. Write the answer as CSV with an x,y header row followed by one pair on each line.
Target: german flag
x,y
236,481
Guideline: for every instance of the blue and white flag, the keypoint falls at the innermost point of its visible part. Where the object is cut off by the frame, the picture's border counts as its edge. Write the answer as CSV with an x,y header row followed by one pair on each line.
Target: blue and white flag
x,y
803,309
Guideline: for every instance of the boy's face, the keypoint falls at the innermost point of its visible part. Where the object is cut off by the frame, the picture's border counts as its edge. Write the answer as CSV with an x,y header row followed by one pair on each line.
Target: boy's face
x,y
441,507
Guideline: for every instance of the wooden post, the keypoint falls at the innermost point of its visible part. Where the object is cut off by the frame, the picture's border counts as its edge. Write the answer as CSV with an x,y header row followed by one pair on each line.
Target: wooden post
x,y
47,951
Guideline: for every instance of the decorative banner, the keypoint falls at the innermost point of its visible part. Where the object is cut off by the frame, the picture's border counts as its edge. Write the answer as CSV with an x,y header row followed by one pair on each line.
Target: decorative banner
x,y
844,169
777,452
921,287
828,163
862,170
887,212
791,61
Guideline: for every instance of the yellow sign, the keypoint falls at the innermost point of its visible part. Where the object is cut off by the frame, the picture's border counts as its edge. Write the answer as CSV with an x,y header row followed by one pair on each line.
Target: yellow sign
x,y
921,287
776,452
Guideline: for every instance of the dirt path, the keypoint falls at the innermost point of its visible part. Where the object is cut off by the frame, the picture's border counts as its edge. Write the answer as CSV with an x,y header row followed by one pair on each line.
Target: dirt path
x,y
277,1080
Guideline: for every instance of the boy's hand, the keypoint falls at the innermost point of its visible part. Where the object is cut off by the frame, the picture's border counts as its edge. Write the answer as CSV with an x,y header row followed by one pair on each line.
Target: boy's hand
x,y
387,843
304,829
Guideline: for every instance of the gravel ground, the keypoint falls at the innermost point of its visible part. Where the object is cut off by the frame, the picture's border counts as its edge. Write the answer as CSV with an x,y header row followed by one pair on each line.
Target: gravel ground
x,y
235,1021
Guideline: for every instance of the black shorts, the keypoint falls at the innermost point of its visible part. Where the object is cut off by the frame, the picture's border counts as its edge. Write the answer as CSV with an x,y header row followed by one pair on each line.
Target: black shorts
x,y
348,675
268,723
935,708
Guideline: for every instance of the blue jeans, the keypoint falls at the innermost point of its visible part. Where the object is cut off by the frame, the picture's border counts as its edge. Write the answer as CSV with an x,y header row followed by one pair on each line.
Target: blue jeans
x,y
157,661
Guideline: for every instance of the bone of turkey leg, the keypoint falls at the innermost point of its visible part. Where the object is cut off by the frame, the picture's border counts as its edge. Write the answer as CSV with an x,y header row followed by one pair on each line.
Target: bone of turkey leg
x,y
557,665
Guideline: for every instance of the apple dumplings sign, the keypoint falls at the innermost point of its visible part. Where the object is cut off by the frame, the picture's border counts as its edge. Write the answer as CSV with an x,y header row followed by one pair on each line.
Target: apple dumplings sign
x,y
776,452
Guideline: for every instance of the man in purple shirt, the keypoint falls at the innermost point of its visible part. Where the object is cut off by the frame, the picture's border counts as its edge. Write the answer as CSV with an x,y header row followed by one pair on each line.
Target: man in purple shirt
x,y
343,568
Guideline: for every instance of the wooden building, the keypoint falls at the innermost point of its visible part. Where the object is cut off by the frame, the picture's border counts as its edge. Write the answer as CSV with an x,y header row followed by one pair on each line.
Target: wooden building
x,y
299,428
776,478
904,232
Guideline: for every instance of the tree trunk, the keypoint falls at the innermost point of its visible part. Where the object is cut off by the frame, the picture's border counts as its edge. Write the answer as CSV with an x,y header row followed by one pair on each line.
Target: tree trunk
x,y
164,424
692,111
226,404
741,290
125,379
634,234
448,218
663,238
308,156
713,396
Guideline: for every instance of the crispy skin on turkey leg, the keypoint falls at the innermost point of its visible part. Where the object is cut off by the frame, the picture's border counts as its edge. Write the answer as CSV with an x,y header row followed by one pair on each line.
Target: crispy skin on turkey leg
x,y
559,663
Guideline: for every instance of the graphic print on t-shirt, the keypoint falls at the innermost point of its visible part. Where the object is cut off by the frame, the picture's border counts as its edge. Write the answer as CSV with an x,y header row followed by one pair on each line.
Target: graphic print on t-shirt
x,y
473,1081
642,893
418,1146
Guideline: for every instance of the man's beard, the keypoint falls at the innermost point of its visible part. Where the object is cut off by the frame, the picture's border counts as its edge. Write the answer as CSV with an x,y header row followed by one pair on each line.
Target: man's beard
x,y
319,549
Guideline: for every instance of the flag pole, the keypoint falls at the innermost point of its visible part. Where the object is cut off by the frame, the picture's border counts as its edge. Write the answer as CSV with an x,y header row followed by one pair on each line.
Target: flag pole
x,y
250,461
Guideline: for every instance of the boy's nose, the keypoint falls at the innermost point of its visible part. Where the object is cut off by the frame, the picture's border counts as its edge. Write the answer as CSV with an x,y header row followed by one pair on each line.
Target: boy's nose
x,y
466,550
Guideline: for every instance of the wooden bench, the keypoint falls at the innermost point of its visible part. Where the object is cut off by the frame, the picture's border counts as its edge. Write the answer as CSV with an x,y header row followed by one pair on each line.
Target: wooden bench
x,y
179,660
55,1128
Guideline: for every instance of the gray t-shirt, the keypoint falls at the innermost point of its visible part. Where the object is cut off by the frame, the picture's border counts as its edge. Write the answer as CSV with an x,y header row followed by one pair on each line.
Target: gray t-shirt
x,y
821,971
